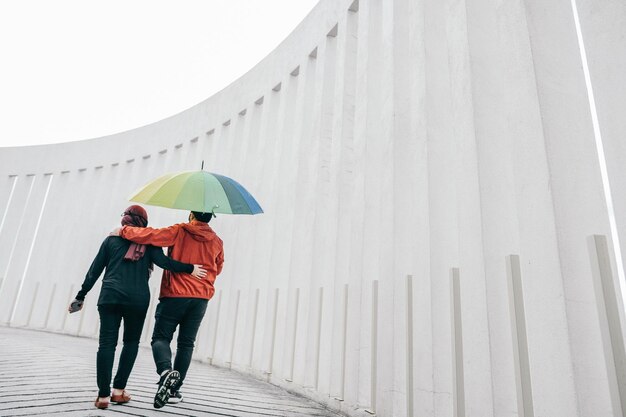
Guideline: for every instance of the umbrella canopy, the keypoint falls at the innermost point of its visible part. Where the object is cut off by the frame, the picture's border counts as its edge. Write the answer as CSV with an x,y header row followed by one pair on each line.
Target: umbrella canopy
x,y
198,191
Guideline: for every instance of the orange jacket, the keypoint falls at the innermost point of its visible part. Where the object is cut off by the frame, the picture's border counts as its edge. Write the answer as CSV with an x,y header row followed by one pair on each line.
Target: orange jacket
x,y
193,243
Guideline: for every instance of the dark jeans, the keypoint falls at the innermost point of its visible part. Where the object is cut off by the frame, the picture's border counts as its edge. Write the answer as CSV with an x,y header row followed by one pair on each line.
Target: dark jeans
x,y
111,316
187,313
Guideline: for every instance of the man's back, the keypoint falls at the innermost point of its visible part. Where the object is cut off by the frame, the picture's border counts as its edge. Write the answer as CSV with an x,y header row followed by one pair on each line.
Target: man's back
x,y
195,243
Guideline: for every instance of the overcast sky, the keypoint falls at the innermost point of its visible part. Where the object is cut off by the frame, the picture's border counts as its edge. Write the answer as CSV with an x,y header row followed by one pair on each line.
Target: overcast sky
x,y
79,69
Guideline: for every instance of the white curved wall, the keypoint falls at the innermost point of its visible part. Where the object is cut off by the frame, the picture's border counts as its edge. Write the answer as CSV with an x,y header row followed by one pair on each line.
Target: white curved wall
x,y
394,146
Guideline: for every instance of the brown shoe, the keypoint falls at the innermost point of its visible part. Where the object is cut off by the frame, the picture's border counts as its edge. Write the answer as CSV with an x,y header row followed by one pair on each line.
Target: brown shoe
x,y
102,403
123,398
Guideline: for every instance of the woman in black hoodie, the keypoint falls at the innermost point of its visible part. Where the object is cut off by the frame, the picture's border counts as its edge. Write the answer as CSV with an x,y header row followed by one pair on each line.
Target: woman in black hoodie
x,y
125,295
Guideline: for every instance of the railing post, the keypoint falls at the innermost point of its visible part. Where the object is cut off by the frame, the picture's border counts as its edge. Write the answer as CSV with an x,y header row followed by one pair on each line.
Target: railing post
x,y
32,305
373,349
344,334
232,341
65,313
217,323
254,316
153,301
294,330
458,388
54,288
270,364
610,324
409,345
318,335
520,341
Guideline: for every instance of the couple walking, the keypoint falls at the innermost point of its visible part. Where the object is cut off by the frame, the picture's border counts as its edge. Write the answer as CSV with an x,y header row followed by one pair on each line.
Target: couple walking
x,y
195,258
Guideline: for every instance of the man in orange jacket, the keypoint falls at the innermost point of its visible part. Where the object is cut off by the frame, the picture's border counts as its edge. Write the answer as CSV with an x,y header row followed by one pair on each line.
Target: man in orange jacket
x,y
183,298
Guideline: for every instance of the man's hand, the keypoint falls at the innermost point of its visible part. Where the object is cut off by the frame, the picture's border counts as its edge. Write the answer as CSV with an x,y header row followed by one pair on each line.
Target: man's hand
x,y
116,232
198,272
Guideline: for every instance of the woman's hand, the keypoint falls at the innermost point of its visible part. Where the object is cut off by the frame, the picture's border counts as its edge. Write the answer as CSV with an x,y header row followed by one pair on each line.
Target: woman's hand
x,y
75,306
198,272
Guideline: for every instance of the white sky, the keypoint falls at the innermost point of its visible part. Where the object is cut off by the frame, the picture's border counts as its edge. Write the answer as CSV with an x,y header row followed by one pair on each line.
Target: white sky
x,y
79,69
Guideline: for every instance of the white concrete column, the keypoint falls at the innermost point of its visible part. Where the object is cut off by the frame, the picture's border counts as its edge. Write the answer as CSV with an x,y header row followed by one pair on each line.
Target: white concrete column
x,y
479,390
247,156
60,201
13,220
579,210
17,251
25,273
411,211
304,204
367,389
325,215
442,172
267,140
8,189
603,30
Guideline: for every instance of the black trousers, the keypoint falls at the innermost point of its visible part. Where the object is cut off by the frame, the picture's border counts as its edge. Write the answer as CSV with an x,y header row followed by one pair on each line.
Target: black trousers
x,y
187,314
111,316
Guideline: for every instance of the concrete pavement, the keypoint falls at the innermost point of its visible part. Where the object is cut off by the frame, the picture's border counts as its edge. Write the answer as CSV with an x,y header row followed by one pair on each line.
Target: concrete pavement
x,y
53,374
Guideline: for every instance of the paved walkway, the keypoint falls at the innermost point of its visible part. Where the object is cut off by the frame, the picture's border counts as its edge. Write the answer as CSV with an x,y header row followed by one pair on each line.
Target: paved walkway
x,y
52,374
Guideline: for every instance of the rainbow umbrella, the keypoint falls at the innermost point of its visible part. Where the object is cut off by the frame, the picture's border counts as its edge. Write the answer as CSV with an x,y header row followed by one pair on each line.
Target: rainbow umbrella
x,y
198,191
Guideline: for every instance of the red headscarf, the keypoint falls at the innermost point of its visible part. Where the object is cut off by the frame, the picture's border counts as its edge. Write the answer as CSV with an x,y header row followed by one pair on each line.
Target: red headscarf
x,y
135,216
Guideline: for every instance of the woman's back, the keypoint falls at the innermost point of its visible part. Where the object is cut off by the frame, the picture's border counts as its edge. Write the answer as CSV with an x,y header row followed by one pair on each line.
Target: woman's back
x,y
124,281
